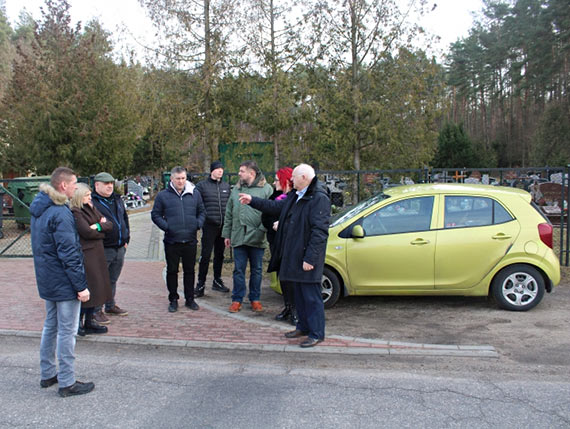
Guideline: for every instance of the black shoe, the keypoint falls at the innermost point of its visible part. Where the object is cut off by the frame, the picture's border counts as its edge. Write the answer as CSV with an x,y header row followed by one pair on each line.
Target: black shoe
x,y
78,388
81,330
48,382
218,285
192,305
173,306
284,315
293,319
199,289
295,334
310,342
92,327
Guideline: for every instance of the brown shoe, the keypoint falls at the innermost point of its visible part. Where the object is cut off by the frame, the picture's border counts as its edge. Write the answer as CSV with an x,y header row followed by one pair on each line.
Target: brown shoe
x,y
101,319
295,334
310,342
235,307
117,311
256,306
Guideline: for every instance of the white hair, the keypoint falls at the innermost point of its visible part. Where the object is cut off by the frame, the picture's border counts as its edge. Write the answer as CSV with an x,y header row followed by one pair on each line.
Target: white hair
x,y
306,170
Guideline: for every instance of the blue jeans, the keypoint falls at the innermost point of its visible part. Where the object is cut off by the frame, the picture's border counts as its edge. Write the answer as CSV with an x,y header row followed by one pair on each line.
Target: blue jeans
x,y
255,256
58,335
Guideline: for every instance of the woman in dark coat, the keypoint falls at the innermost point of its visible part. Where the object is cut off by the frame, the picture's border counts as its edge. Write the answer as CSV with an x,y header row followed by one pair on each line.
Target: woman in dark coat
x,y
91,227
283,185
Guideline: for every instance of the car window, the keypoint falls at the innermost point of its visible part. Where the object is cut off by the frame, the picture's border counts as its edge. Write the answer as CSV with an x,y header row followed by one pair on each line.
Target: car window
x,y
465,211
350,212
412,214
500,215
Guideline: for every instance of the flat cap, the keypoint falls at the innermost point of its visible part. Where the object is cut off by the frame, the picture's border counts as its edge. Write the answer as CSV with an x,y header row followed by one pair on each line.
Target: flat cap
x,y
104,177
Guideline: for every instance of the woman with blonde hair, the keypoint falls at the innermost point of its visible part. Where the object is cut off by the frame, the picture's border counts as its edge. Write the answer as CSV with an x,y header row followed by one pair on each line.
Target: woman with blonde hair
x,y
91,227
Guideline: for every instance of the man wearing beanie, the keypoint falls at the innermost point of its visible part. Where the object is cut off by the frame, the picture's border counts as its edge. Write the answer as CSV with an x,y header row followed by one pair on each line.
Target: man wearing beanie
x,y
215,194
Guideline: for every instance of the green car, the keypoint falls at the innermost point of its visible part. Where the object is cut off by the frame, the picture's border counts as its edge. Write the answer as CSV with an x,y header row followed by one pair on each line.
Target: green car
x,y
442,239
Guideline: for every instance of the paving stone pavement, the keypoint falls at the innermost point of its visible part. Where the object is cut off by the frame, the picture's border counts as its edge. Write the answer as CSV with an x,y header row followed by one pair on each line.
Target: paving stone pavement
x,y
146,239
141,290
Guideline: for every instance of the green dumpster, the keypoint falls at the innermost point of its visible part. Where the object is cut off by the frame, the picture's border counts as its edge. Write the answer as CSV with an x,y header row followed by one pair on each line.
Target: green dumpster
x,y
25,189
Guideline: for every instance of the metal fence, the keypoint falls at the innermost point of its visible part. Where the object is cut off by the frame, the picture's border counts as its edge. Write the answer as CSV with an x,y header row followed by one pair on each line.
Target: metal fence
x,y
346,188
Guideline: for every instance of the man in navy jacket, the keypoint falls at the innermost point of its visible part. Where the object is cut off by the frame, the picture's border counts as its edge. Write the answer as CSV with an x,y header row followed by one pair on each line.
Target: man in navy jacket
x,y
179,212
300,246
60,276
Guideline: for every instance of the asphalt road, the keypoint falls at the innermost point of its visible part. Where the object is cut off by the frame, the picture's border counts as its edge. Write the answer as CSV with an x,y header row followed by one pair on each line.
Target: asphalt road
x,y
145,387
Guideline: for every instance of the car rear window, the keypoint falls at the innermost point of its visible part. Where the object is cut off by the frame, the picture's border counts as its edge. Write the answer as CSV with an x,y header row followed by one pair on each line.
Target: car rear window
x,y
467,211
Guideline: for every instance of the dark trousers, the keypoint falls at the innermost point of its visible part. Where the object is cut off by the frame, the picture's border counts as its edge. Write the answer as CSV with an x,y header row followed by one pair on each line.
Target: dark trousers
x,y
86,313
288,290
115,259
211,239
174,253
310,309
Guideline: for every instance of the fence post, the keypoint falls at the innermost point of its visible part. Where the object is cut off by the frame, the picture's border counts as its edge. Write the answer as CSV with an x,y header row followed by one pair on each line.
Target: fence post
x,y
358,186
565,181
1,208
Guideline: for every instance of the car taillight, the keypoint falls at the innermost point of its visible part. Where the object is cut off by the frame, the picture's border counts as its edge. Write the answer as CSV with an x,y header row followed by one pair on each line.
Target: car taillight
x,y
545,233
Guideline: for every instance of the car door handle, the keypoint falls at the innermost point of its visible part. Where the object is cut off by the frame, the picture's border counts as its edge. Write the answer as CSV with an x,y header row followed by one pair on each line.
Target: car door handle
x,y
501,236
418,241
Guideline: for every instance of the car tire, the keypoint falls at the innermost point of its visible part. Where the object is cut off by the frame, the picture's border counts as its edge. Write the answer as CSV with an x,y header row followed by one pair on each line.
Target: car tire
x,y
330,287
518,287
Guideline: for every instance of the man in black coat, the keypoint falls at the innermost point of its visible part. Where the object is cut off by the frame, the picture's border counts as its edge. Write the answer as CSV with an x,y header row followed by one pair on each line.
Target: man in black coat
x,y
215,194
300,246
179,212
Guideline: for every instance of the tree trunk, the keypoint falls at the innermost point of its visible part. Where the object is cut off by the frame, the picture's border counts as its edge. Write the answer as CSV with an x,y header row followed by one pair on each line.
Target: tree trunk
x,y
209,146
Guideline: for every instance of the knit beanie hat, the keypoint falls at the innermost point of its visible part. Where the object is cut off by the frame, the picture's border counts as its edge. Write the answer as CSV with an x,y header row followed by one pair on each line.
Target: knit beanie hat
x,y
216,164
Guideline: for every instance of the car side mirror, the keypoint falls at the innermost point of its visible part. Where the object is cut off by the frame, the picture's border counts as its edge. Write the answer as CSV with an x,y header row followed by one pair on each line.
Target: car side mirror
x,y
357,231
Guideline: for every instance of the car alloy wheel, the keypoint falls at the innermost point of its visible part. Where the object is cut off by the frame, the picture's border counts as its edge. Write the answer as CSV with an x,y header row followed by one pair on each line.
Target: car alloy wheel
x,y
518,287
330,288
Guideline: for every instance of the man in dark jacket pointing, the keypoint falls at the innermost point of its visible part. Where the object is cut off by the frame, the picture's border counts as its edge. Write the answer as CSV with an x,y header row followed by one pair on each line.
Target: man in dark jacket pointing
x,y
60,275
300,245
179,212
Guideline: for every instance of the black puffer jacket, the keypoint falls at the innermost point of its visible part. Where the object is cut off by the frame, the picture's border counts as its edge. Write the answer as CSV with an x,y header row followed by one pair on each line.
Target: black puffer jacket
x,y
179,215
215,194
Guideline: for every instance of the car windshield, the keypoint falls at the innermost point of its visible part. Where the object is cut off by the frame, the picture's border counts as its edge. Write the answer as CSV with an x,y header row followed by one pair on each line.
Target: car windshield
x,y
351,211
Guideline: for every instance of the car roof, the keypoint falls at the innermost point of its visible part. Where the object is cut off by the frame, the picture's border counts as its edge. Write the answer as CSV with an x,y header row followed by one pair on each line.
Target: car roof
x,y
456,188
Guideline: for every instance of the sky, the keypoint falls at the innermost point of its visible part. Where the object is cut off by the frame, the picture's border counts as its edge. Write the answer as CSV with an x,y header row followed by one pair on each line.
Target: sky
x,y
127,21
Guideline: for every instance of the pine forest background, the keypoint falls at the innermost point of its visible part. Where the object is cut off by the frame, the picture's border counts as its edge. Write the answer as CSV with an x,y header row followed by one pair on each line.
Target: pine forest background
x,y
341,84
